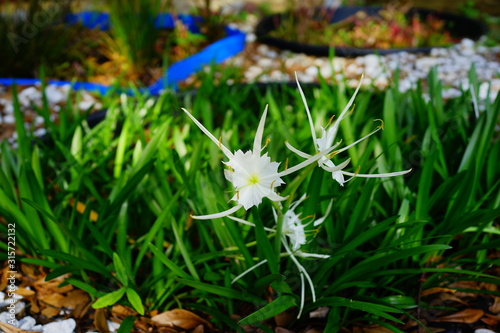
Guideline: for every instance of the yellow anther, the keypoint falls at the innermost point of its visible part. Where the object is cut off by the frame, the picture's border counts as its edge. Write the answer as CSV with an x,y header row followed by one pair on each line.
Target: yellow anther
x,y
352,110
220,142
309,216
286,163
267,142
332,154
381,126
331,120
272,184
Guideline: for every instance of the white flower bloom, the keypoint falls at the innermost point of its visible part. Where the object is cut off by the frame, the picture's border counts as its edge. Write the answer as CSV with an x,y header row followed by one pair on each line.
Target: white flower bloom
x,y
252,175
327,138
295,231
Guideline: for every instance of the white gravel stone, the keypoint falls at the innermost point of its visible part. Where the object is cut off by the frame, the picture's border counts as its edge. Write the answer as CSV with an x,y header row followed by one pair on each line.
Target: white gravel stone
x,y
338,64
30,96
39,120
63,326
265,63
40,132
312,71
29,324
326,71
54,94
8,119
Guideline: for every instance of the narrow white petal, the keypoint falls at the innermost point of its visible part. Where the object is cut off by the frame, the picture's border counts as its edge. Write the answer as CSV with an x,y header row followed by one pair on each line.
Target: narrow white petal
x,y
311,124
274,197
358,141
302,294
226,151
337,167
248,223
300,267
217,215
248,271
296,151
339,177
322,219
310,160
311,255
376,175
332,131
298,202
257,142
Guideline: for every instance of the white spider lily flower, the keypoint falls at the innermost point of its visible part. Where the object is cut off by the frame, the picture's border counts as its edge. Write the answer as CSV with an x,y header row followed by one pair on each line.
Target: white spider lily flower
x,y
293,227
253,175
294,230
327,138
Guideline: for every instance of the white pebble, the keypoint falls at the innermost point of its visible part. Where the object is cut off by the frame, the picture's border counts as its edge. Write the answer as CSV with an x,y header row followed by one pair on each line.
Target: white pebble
x,y
8,119
39,132
64,326
265,63
54,94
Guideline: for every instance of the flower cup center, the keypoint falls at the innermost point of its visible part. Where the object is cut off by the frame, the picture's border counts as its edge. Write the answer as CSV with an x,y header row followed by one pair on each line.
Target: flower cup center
x,y
254,179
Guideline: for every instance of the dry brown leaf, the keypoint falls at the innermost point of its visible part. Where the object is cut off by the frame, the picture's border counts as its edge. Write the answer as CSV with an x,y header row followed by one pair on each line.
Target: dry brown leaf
x,y
56,300
50,312
12,329
121,311
28,270
436,329
282,330
50,287
25,292
436,290
320,312
371,329
284,318
490,320
467,316
313,330
495,307
489,286
34,306
81,310
179,318
166,329
199,329
100,322
449,297
471,285
141,324
74,298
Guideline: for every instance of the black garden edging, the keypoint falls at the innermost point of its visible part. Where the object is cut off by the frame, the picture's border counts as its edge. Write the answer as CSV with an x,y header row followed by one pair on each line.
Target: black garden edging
x,y
458,26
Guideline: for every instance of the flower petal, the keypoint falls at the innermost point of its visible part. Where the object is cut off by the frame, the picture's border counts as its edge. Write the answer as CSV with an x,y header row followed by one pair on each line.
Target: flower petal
x,y
217,215
305,163
226,151
296,151
311,124
257,142
377,175
332,131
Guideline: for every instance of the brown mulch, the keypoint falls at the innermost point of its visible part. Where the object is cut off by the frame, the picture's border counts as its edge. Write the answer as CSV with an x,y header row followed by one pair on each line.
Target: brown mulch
x,y
462,306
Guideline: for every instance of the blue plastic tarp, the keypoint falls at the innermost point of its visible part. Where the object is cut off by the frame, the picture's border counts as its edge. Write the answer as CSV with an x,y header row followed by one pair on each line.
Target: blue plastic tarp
x,y
232,44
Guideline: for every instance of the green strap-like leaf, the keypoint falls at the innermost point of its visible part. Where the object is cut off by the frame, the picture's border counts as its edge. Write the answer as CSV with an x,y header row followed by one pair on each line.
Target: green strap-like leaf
x,y
135,300
272,309
109,299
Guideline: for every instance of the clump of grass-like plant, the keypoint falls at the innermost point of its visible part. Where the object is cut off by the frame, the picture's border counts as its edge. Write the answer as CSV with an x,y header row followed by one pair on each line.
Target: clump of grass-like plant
x,y
113,204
